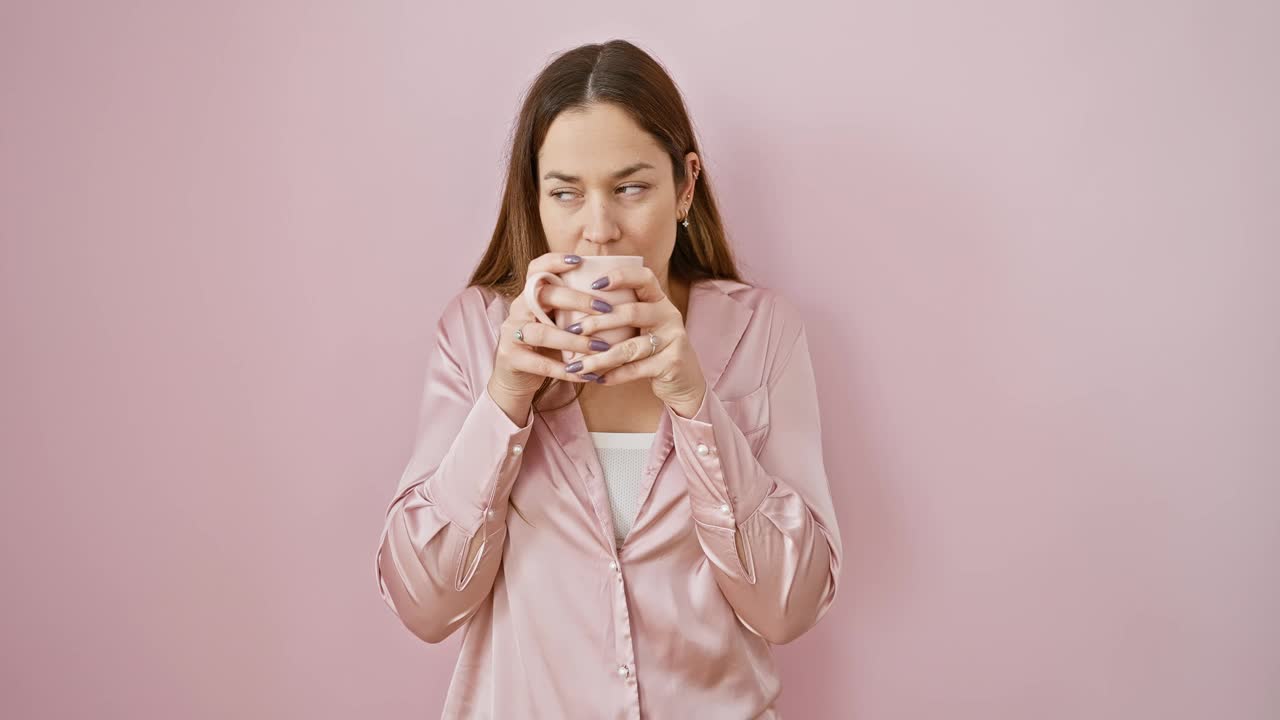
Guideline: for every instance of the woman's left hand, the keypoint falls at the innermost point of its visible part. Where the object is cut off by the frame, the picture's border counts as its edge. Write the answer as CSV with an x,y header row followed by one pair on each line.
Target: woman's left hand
x,y
673,369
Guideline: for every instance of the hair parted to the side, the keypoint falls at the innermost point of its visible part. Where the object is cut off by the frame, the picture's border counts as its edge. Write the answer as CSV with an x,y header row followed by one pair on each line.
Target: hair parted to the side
x,y
622,74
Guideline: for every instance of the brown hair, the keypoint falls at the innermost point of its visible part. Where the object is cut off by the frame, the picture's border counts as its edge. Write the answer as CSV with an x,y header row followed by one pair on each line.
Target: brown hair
x,y
622,74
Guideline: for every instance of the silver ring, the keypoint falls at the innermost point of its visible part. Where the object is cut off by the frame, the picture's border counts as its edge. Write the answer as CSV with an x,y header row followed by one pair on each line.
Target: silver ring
x,y
519,335
653,344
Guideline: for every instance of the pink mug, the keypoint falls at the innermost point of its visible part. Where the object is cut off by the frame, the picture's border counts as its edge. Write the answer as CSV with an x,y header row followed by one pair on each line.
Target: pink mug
x,y
580,278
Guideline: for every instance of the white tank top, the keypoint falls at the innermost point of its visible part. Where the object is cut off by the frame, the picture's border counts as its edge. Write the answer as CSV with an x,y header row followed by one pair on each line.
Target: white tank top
x,y
623,457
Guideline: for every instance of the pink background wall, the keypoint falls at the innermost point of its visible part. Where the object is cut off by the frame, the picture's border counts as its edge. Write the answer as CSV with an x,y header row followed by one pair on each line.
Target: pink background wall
x,y
1038,243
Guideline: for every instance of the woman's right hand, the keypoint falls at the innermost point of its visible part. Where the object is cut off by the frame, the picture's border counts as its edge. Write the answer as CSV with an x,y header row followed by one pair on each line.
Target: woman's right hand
x,y
520,367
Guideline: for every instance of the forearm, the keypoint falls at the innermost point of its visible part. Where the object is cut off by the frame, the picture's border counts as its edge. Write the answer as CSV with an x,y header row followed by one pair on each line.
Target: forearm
x,y
442,540
766,523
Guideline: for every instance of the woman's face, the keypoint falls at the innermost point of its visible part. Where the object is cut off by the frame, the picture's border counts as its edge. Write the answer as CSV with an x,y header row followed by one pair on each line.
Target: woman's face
x,y
606,187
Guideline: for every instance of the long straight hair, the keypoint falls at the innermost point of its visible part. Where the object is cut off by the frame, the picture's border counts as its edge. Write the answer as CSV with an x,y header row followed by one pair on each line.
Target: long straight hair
x,y
622,74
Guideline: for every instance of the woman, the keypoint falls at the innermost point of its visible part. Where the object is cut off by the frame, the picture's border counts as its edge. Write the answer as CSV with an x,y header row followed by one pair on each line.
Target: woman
x,y
672,517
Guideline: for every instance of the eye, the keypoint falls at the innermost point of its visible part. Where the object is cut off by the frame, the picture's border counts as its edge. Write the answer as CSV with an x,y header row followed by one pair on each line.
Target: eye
x,y
558,193
639,188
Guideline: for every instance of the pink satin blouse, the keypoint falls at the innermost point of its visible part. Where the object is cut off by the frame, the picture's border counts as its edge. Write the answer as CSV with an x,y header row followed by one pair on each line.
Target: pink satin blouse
x,y
734,546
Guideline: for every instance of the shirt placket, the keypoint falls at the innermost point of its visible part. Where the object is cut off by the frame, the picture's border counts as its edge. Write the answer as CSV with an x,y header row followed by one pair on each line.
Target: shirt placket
x,y
570,430
624,647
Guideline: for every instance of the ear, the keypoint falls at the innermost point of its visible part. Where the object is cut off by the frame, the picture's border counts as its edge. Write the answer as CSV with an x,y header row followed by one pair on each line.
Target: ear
x,y
692,168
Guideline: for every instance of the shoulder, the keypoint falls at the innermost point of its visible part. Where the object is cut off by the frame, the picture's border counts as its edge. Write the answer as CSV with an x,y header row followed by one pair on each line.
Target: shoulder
x,y
770,323
757,297
771,310
470,313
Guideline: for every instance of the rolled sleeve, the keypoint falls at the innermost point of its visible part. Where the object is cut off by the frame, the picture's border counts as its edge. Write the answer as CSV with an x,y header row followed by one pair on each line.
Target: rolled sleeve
x,y
475,492
725,483
445,529
765,520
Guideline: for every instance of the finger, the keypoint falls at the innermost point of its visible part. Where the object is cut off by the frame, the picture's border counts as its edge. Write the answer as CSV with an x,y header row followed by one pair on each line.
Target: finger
x,y
646,368
518,313
630,314
529,360
629,351
554,263
537,334
641,279
521,312
558,296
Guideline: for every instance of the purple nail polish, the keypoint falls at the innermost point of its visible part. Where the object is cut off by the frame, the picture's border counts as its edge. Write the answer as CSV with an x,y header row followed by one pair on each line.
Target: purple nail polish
x,y
573,367
601,306
601,283
600,380
599,345
575,328
591,377
572,259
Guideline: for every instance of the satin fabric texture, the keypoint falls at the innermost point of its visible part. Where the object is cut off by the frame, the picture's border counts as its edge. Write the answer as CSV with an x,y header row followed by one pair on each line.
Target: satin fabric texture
x,y
734,546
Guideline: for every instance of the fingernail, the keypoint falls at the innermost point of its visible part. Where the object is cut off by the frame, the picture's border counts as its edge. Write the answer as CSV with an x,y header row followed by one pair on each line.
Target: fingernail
x,y
601,306
602,282
599,345
572,259
590,376
600,380
575,328
573,367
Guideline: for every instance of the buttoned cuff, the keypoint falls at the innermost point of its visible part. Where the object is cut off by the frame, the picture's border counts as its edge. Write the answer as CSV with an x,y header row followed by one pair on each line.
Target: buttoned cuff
x,y
475,478
725,481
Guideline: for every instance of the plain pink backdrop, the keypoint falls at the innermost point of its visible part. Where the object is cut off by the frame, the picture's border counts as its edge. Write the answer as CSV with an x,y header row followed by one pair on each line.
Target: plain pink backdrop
x,y
1037,241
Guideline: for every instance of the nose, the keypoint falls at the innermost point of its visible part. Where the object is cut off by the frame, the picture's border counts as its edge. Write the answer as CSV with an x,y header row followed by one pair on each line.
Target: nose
x,y
601,227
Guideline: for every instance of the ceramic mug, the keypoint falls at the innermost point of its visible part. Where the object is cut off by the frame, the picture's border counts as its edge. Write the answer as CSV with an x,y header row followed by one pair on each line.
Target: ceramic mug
x,y
580,278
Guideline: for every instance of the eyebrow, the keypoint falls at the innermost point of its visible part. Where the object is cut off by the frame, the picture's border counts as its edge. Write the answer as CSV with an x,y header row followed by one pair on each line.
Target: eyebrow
x,y
628,170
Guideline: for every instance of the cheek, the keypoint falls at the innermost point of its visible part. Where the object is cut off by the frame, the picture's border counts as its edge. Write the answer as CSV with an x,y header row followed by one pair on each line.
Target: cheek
x,y
554,229
651,219
650,226
654,235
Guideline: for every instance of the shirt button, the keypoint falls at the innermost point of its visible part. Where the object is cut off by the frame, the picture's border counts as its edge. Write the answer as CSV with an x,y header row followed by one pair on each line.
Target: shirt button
x,y
623,671
703,449
517,449
725,509
613,564
490,514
